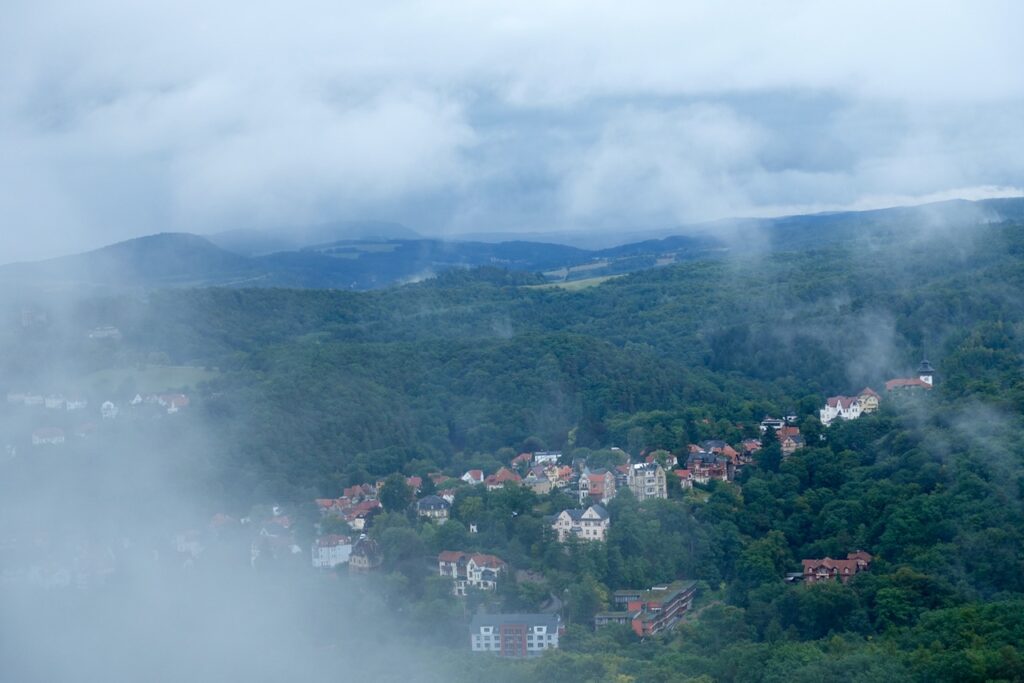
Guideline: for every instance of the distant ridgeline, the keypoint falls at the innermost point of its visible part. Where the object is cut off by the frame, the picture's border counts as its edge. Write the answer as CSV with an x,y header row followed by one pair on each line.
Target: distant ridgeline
x,y
348,256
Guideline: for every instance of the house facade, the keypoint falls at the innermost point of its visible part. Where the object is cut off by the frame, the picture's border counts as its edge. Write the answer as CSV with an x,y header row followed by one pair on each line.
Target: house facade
x,y
925,380
365,556
515,635
588,524
331,550
470,570
828,569
849,407
647,480
597,486
433,507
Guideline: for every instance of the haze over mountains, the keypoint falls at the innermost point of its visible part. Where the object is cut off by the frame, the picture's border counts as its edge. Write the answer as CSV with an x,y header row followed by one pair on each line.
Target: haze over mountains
x,y
370,255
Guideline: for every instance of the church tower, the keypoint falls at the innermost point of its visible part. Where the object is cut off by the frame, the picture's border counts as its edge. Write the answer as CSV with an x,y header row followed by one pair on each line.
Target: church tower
x,y
926,372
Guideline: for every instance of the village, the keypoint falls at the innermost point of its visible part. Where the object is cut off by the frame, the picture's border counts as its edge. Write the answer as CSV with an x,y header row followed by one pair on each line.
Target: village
x,y
342,527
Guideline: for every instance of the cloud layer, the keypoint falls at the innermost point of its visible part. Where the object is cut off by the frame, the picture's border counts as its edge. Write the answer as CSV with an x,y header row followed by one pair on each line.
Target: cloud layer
x,y
118,119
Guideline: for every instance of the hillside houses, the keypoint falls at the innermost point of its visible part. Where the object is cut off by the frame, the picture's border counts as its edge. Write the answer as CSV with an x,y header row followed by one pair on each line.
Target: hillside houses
x,y
501,478
470,570
849,407
357,506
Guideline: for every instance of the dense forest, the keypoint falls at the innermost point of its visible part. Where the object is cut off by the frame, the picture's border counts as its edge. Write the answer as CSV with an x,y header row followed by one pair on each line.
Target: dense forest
x,y
312,391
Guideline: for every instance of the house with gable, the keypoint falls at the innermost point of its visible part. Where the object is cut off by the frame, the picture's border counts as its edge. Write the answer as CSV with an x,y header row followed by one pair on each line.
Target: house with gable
x,y
471,570
685,478
588,524
828,569
473,477
502,477
597,486
647,480
790,439
366,556
704,466
433,507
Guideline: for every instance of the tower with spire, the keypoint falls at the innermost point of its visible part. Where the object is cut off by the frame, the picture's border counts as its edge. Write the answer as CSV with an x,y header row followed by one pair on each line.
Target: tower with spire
x,y
926,373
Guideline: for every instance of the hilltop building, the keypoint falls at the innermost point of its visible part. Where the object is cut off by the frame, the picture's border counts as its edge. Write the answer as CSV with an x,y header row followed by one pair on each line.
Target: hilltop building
x,y
925,380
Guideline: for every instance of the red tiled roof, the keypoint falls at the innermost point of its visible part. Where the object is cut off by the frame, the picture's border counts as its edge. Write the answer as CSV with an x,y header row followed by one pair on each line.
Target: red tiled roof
x,y
505,474
868,391
331,540
450,556
906,382
491,561
843,402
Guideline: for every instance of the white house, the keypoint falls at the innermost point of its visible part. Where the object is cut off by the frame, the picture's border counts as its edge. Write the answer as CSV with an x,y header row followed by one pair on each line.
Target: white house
x,y
590,524
841,407
849,407
546,457
48,436
331,550
514,635
473,477
475,570
109,410
54,401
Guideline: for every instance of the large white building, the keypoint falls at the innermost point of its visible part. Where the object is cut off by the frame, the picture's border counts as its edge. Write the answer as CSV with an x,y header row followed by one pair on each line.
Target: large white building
x,y
331,550
514,635
587,524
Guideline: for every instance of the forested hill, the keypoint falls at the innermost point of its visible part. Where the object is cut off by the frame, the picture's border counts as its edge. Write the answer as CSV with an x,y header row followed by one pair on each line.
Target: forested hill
x,y
240,259
311,391
478,360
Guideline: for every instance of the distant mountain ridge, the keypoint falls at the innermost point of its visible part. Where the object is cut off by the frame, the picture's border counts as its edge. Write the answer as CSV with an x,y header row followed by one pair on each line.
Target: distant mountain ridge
x,y
188,260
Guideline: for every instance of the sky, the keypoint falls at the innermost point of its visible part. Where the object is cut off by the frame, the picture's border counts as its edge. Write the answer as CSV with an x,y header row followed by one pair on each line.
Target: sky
x,y
119,119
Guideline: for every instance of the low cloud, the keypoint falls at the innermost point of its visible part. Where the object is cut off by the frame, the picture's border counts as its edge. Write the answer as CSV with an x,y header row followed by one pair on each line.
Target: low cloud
x,y
119,120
